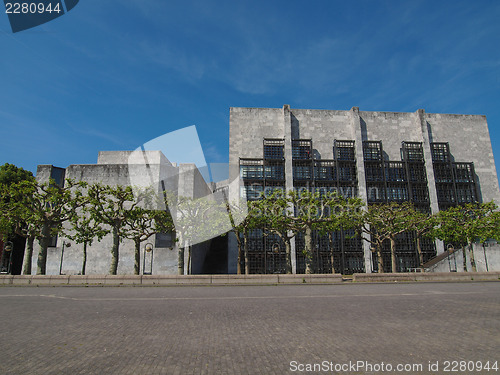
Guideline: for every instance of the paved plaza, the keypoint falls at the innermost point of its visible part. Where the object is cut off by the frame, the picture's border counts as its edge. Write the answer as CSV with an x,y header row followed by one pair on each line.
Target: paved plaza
x,y
250,329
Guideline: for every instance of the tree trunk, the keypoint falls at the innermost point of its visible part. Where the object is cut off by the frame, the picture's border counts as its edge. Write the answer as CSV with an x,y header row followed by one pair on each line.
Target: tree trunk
x,y
180,261
115,252
137,254
308,250
189,260
419,252
28,257
42,255
472,258
245,249
332,259
464,259
393,255
288,252
380,260
240,253
84,262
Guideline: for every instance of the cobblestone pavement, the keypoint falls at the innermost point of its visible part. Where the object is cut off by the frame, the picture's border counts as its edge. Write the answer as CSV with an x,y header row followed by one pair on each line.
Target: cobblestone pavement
x,y
248,329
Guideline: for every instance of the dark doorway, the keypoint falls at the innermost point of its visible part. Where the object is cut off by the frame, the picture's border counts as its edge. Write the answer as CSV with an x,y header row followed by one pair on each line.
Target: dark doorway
x,y
216,259
16,258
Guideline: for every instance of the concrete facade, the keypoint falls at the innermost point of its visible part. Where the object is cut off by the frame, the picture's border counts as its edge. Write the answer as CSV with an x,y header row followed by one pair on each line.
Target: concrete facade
x,y
118,168
466,135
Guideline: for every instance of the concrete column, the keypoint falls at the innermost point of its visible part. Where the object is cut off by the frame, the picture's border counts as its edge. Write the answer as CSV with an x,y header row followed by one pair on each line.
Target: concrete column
x,y
431,181
287,127
355,121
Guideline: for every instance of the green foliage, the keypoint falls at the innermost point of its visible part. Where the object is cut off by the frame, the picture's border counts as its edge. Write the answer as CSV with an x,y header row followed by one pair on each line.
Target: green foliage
x,y
38,210
383,222
10,174
468,223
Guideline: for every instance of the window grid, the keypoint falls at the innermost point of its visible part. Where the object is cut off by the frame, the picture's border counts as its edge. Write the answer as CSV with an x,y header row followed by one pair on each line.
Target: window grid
x,y
344,150
302,149
372,150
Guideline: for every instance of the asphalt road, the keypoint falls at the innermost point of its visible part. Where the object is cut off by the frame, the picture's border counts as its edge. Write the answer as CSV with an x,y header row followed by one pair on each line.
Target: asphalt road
x,y
418,328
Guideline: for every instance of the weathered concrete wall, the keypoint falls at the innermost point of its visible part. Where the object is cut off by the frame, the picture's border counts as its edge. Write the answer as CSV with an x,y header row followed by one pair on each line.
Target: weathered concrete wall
x,y
469,140
487,259
113,169
391,128
467,136
322,127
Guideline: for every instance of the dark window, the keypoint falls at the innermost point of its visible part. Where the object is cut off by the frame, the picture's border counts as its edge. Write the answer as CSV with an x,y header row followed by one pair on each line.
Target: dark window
x,y
464,172
302,172
395,171
164,239
273,149
440,152
443,173
397,193
301,149
374,172
372,150
345,150
347,172
325,170
274,172
413,151
252,191
251,171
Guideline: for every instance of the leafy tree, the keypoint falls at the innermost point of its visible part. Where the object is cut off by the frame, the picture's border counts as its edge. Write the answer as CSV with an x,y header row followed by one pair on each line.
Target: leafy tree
x,y
467,224
423,225
344,215
10,174
274,214
314,211
196,220
84,230
248,216
11,217
142,223
44,207
111,206
384,222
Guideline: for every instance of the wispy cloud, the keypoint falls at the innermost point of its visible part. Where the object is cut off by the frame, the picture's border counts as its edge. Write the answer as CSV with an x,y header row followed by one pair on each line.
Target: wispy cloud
x,y
113,138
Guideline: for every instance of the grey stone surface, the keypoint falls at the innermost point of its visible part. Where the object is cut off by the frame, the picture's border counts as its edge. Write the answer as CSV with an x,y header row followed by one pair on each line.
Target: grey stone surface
x,y
487,259
246,330
467,135
126,168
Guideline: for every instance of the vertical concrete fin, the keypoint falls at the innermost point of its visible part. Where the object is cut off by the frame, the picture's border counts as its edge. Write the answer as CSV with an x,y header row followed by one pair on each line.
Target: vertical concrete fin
x,y
287,127
429,169
355,120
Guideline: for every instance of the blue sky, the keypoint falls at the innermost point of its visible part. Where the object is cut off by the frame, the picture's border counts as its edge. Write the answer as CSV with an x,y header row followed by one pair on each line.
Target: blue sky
x,y
112,75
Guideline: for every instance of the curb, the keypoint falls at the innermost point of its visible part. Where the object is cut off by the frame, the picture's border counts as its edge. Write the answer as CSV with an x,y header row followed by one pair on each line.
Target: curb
x,y
215,280
169,280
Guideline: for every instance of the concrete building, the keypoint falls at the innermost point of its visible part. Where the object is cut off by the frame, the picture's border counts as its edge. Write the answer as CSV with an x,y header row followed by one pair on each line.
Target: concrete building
x,y
433,160
122,168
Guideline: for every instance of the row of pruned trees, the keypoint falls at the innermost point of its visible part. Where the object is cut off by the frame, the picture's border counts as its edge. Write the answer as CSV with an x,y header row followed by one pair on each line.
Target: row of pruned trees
x,y
87,212
287,214
80,212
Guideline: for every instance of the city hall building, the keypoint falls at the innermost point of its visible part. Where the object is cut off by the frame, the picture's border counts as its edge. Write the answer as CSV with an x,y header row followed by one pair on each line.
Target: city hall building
x,y
432,160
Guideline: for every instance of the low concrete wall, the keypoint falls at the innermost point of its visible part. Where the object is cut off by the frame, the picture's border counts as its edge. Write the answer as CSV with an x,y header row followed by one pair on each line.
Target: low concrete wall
x,y
487,259
154,280
157,280
426,276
